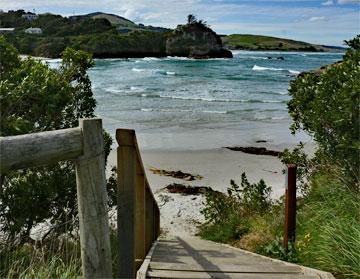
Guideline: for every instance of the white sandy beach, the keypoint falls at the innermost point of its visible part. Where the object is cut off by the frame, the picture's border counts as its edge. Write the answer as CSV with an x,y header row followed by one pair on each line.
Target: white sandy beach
x,y
180,214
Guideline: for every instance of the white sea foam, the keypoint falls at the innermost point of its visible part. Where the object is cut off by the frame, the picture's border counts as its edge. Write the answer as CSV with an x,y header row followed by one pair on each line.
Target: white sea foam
x,y
194,98
260,68
254,57
150,59
136,88
138,70
294,72
216,111
146,109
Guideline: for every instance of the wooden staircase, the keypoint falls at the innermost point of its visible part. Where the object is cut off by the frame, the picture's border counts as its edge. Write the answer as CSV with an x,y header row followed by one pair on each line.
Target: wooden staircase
x,y
176,257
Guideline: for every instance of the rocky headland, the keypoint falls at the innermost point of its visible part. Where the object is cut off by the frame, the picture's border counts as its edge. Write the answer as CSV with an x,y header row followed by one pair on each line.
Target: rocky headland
x,y
196,40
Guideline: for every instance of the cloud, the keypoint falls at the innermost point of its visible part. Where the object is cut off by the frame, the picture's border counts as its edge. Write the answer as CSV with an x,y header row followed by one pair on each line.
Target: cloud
x,y
317,18
327,3
341,2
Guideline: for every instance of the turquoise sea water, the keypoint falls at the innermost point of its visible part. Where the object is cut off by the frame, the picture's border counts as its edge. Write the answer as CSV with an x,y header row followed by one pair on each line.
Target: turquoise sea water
x,y
176,102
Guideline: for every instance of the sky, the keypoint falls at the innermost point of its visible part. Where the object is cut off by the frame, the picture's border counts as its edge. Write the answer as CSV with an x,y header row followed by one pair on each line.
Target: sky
x,y
327,22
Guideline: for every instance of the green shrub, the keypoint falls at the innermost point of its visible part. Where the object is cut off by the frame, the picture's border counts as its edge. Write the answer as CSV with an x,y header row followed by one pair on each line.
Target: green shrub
x,y
228,216
275,249
326,105
35,98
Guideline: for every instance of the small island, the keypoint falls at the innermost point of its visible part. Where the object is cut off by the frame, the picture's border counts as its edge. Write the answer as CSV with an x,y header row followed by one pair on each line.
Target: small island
x,y
196,40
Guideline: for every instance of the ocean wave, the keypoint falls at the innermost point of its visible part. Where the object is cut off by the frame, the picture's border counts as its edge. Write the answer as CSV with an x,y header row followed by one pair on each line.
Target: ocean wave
x,y
138,70
294,72
137,89
215,111
266,117
146,109
260,68
150,59
206,99
253,57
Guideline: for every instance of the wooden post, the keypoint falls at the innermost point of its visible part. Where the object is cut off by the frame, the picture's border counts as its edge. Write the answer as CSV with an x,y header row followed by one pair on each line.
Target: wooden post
x,y
92,203
126,173
290,206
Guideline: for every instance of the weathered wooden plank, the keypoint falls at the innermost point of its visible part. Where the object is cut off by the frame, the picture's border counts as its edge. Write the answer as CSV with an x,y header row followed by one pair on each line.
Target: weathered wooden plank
x,y
215,267
221,275
141,273
126,172
92,203
148,219
31,150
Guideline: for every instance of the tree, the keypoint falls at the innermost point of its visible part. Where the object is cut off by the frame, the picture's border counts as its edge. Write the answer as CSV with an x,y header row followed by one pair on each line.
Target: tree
x,y
326,105
33,98
191,19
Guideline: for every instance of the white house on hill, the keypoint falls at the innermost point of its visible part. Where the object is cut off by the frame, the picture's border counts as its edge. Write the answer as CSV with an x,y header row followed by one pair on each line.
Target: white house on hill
x,y
6,30
32,30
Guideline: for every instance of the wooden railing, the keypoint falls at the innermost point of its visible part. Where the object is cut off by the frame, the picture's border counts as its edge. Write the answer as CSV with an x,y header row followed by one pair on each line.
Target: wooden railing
x,y
138,213
84,145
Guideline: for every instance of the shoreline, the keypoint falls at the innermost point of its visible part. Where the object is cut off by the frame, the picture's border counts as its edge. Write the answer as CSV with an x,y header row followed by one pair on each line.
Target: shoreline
x,y
156,55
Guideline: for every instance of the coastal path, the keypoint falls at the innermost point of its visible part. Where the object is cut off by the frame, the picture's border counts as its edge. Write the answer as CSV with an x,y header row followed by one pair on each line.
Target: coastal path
x,y
176,257
141,251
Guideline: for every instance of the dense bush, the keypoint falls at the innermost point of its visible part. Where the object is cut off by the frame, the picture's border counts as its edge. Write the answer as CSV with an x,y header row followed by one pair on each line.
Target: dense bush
x,y
96,36
326,105
34,98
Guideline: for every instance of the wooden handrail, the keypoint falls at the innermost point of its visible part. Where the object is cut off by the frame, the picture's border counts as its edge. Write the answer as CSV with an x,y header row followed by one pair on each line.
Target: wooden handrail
x,y
138,213
86,147
31,150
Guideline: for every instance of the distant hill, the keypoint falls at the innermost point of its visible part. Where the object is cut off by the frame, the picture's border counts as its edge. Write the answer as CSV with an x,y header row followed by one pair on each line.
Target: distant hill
x,y
259,42
124,25
113,19
108,35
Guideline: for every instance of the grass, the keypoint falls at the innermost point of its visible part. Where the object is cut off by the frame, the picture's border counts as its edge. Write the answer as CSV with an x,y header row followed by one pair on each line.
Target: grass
x,y
330,216
57,258
258,42
328,229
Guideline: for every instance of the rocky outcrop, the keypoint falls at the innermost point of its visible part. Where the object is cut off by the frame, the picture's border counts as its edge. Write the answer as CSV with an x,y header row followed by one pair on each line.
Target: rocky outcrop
x,y
196,40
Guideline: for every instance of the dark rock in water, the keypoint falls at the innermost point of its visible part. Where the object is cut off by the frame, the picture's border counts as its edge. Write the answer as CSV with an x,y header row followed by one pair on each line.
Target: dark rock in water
x,y
196,40
255,150
280,58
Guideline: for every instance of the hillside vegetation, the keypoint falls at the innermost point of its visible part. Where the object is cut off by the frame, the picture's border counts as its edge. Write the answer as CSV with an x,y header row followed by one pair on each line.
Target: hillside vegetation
x,y
103,35
108,35
258,42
